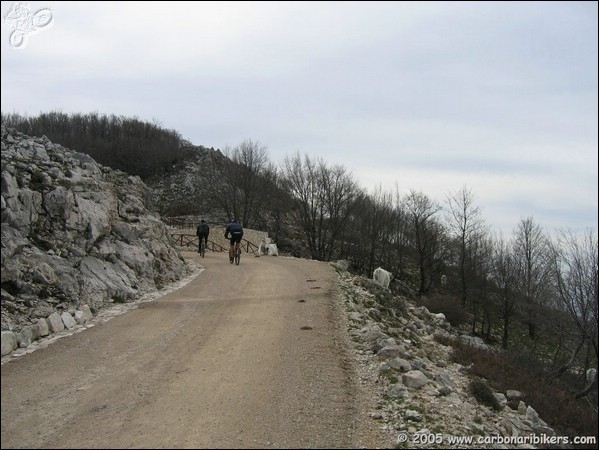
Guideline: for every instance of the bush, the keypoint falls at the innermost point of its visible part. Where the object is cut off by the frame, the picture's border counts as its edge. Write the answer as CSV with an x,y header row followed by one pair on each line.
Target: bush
x,y
484,394
454,312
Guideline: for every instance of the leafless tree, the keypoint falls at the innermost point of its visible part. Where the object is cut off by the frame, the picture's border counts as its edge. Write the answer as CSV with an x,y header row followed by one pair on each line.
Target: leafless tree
x,y
400,233
467,227
301,181
482,263
375,229
426,234
575,264
504,275
250,179
325,198
340,191
531,251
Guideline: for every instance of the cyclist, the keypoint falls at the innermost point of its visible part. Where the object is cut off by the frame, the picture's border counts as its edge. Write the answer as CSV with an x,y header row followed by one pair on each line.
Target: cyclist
x,y
203,231
236,231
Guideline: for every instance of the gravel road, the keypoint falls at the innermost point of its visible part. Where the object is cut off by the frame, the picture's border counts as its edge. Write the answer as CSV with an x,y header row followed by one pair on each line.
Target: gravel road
x,y
248,356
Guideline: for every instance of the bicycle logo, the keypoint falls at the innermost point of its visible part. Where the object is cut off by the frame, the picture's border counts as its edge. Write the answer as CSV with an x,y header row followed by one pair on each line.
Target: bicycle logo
x,y
25,22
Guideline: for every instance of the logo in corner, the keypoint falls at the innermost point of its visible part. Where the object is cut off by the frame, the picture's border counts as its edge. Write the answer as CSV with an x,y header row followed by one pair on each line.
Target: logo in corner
x,y
24,22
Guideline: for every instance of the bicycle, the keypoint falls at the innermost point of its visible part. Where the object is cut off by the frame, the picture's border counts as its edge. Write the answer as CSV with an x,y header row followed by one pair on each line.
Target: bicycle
x,y
236,254
202,246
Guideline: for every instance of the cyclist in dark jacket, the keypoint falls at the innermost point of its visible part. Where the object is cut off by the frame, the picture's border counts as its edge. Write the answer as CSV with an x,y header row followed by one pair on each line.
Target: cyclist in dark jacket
x,y
236,231
203,231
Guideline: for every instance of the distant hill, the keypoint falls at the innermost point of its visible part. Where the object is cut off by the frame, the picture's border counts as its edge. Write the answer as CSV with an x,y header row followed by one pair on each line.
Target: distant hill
x,y
185,180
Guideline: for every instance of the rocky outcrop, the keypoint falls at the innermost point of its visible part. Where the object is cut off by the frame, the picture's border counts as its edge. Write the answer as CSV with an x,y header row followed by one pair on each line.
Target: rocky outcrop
x,y
75,233
424,398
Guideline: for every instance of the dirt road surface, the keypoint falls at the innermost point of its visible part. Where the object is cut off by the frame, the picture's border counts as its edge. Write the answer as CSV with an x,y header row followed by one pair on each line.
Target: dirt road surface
x,y
248,356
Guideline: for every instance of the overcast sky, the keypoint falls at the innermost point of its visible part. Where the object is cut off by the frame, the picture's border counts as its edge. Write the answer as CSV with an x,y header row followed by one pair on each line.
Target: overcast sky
x,y
425,96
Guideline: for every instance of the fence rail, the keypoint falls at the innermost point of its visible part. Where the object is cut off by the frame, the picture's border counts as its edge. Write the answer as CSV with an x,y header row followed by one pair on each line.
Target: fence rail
x,y
248,246
191,240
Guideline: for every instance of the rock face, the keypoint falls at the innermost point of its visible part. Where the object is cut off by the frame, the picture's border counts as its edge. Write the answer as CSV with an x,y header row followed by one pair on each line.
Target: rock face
x,y
75,233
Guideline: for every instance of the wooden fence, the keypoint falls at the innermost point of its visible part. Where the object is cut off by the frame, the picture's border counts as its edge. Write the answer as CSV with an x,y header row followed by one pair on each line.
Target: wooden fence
x,y
191,240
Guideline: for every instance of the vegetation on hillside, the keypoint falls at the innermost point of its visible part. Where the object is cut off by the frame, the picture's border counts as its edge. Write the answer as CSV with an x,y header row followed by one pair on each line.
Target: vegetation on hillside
x,y
124,143
551,397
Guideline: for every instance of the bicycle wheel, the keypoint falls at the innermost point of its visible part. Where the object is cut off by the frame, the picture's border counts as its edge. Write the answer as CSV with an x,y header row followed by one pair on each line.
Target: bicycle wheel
x,y
237,255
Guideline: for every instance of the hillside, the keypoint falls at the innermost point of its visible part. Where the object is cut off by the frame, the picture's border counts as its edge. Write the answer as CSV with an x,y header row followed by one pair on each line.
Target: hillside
x,y
425,399
188,187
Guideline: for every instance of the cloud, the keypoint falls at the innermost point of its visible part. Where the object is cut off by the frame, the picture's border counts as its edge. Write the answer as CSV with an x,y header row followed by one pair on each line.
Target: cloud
x,y
431,95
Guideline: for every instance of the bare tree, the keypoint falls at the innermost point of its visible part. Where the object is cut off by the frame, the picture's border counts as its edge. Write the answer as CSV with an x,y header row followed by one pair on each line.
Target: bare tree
x,y
504,275
340,192
354,248
301,181
575,263
425,232
250,180
400,233
532,256
375,229
482,264
326,196
467,226
372,232
278,207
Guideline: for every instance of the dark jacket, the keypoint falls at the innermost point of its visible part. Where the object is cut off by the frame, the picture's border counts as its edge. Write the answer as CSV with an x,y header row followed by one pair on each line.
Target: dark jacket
x,y
203,229
235,229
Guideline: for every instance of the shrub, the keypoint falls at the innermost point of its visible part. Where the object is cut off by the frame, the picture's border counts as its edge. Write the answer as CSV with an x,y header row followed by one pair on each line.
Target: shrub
x,y
119,298
450,306
484,394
